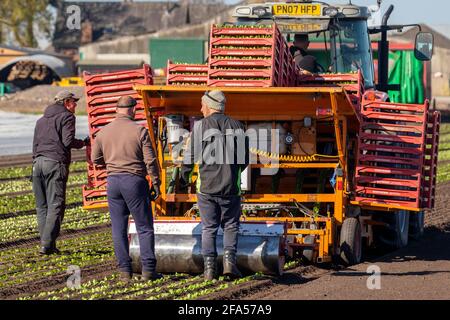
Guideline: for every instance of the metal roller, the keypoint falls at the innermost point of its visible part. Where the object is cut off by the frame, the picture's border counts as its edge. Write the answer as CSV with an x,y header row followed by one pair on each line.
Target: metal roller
x,y
178,247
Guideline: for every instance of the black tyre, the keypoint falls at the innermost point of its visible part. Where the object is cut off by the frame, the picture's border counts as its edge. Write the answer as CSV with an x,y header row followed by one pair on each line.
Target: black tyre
x,y
416,225
351,242
395,235
401,229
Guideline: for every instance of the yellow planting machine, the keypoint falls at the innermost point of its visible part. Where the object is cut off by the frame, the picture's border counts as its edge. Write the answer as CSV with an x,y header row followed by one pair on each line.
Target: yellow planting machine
x,y
336,166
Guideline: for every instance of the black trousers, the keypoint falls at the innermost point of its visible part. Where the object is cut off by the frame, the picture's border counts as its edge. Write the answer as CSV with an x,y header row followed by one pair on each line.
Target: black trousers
x,y
128,193
218,212
49,187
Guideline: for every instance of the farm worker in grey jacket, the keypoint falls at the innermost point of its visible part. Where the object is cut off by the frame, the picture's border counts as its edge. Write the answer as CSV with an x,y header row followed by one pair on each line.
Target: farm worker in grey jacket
x,y
54,137
218,184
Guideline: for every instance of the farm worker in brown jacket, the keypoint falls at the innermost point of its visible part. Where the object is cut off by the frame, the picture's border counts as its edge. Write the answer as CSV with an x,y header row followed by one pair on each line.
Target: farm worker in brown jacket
x,y
126,149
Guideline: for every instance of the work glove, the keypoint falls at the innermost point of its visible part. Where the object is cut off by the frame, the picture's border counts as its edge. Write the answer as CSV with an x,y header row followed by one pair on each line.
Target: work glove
x,y
154,192
87,141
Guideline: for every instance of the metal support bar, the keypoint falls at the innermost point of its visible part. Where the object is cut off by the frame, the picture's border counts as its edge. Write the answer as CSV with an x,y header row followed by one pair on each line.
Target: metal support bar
x,y
337,129
262,198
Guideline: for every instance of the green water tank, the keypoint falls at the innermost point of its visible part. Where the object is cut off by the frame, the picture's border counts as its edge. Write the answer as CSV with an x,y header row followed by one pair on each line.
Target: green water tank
x,y
177,50
4,88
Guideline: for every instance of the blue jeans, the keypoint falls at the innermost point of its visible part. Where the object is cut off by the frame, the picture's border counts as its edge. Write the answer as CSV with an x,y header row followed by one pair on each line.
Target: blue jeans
x,y
128,193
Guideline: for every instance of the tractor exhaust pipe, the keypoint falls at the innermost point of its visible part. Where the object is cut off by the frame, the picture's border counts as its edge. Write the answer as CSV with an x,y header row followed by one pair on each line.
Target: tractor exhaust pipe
x,y
178,247
383,53
387,15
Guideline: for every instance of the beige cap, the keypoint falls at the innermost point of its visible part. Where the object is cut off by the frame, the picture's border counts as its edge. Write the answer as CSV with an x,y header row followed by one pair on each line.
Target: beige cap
x,y
64,95
215,99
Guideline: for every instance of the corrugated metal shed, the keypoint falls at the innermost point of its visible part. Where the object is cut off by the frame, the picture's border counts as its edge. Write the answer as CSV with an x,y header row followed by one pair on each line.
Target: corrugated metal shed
x,y
58,66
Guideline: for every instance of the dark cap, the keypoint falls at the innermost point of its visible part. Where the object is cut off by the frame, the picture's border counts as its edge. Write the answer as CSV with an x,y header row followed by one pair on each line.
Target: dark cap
x,y
303,37
64,95
126,102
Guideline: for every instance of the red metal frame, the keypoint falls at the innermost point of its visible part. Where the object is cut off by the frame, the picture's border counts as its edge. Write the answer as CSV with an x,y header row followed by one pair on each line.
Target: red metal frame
x,y
431,161
242,64
193,74
220,31
355,89
392,144
102,93
92,197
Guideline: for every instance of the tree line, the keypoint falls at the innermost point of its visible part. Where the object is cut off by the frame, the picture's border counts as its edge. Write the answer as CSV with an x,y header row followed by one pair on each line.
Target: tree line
x,y
22,20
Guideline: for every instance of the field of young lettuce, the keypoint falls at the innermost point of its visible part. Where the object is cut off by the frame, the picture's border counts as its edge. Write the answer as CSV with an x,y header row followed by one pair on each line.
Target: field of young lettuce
x,y
86,243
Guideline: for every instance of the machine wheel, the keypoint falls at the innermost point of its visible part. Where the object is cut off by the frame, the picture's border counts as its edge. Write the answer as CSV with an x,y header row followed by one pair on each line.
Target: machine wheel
x,y
308,254
416,225
395,236
351,241
401,228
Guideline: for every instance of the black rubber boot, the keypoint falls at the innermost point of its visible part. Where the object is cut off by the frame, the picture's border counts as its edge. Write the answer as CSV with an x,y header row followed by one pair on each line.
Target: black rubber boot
x,y
230,268
210,269
151,275
125,276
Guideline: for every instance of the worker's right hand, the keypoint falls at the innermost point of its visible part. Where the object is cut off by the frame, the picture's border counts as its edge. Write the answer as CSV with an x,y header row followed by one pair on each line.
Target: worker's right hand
x,y
304,72
155,192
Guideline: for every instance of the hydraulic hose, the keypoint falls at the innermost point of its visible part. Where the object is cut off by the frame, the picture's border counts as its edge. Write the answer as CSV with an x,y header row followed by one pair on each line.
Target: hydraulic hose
x,y
289,158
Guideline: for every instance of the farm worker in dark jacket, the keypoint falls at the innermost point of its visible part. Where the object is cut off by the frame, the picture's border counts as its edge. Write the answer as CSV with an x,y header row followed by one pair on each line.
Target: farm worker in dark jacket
x,y
126,149
54,137
218,184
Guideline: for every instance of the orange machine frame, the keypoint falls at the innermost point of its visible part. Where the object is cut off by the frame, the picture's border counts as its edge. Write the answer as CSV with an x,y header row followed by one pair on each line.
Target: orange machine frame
x,y
266,104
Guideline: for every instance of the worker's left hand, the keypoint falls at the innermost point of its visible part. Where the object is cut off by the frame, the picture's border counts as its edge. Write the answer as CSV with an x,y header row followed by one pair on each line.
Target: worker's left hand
x,y
154,192
87,141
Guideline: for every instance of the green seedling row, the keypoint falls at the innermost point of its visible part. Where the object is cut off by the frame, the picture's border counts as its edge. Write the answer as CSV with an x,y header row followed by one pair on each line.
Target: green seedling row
x,y
232,26
110,285
21,172
25,227
240,36
242,58
190,73
25,185
9,255
243,47
85,251
444,150
445,129
26,202
188,83
443,173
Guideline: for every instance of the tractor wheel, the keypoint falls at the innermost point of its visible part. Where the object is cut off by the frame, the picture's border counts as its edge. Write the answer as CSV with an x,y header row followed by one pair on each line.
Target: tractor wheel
x,y
351,241
401,228
416,225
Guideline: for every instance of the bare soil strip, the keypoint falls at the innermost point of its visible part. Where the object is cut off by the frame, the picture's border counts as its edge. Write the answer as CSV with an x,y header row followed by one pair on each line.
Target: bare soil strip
x,y
419,271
